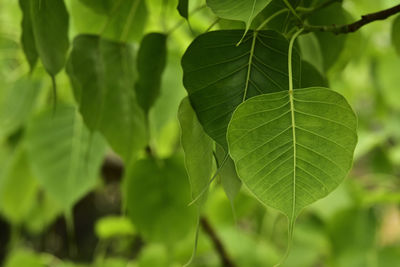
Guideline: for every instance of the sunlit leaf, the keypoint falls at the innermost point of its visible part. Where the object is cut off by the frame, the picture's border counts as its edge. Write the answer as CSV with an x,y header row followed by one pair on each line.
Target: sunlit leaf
x,y
293,149
198,148
157,197
219,75
50,28
114,226
102,74
65,158
243,10
151,61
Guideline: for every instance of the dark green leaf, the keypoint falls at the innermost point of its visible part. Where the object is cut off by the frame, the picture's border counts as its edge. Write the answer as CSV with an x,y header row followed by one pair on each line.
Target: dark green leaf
x,y
102,74
157,197
396,34
27,37
151,61
311,77
198,148
50,28
291,149
183,8
64,157
219,75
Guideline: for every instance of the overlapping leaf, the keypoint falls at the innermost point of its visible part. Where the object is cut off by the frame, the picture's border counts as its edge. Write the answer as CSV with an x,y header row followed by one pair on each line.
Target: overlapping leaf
x,y
102,74
219,75
293,149
64,157
198,148
27,37
183,8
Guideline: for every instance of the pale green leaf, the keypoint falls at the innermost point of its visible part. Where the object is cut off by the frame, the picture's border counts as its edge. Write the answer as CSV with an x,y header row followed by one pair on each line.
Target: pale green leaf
x,y
219,75
102,74
243,10
64,157
23,257
291,149
100,6
27,36
151,60
16,104
198,148
396,34
157,196
114,226
50,28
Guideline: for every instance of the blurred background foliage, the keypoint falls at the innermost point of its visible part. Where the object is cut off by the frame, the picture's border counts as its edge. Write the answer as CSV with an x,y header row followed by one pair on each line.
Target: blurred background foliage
x,y
79,220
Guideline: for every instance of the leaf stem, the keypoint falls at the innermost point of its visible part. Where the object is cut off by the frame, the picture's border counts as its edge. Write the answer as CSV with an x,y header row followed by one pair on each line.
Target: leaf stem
x,y
290,72
267,20
54,87
289,6
183,20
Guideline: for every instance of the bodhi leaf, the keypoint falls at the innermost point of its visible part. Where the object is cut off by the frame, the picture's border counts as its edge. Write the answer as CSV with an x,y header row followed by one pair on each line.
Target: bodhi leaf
x,y
229,178
218,75
27,37
157,194
396,34
198,148
64,157
183,8
102,76
50,29
243,10
291,149
151,61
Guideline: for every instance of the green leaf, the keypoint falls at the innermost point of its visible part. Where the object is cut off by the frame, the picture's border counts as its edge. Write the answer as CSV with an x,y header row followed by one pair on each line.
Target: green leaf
x,y
310,50
27,36
113,226
50,28
18,188
311,77
100,6
23,257
183,8
331,45
243,10
157,197
64,157
229,178
198,148
291,149
396,34
16,105
219,75
102,74
151,61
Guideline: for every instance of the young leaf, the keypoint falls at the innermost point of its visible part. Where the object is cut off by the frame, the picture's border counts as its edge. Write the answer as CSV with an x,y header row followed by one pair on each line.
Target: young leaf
x,y
396,34
151,61
243,10
50,28
27,37
183,8
102,75
219,75
64,157
291,149
157,194
198,148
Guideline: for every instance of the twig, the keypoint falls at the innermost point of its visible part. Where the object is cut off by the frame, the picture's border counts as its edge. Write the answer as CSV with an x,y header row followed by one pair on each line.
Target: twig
x,y
352,27
219,247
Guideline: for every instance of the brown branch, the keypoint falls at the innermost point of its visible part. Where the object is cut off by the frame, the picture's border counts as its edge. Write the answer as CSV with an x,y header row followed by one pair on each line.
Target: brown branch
x,y
219,247
352,27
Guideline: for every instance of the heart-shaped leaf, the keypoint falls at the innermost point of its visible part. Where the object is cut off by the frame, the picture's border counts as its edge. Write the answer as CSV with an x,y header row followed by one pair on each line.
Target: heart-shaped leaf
x,y
219,75
293,148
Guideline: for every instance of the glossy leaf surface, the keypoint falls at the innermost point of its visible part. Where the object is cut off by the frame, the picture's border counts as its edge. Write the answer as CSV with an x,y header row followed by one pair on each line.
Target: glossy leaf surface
x,y
64,157
102,74
219,75
293,149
